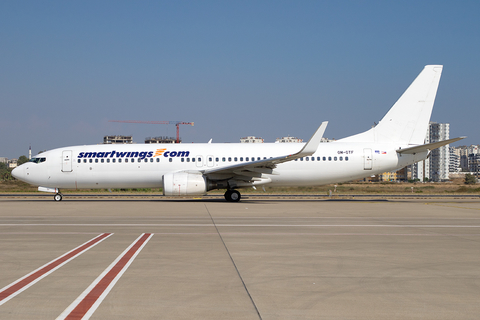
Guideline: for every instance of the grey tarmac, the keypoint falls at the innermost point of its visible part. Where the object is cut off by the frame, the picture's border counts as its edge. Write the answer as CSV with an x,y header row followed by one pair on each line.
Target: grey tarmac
x,y
256,259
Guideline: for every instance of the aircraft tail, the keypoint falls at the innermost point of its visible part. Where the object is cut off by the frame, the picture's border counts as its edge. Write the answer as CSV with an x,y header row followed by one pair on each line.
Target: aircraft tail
x,y
407,121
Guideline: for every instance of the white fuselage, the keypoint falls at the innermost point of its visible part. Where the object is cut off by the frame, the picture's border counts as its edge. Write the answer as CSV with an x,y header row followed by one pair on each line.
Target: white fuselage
x,y
143,165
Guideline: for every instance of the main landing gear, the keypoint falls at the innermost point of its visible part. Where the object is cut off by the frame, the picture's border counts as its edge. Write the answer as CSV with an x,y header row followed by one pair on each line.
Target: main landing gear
x,y
232,195
58,197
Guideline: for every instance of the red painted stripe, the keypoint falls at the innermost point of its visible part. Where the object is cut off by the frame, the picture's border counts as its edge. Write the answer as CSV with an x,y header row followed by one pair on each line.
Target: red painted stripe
x,y
82,308
7,292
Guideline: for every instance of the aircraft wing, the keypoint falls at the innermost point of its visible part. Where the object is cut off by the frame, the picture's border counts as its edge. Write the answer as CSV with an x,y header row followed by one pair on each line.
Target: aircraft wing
x,y
428,147
256,168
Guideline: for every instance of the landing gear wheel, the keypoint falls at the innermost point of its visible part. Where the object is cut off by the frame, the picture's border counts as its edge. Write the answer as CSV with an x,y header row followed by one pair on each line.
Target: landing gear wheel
x,y
232,195
58,197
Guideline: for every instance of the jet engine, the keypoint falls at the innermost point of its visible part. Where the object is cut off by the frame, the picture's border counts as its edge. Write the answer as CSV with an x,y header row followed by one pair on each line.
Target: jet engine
x,y
184,183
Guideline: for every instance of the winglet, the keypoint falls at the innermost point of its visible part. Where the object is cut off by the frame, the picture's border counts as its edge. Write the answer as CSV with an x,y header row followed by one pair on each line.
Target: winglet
x,y
312,144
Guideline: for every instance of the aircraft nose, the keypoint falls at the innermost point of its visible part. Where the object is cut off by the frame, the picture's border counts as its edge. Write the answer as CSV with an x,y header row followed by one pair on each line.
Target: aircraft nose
x,y
18,172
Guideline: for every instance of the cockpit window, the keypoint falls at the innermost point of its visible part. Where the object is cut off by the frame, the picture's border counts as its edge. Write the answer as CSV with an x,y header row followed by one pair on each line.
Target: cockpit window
x,y
38,160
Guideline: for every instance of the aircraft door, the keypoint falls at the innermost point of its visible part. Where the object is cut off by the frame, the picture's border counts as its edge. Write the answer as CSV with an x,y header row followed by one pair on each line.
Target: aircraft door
x,y
67,161
210,161
368,159
199,161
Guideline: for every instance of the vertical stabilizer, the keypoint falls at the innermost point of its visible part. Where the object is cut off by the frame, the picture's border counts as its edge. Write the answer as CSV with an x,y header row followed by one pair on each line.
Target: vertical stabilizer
x,y
407,121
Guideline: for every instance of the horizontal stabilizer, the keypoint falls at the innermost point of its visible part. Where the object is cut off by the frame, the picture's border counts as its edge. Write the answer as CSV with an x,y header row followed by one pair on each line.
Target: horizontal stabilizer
x,y
428,147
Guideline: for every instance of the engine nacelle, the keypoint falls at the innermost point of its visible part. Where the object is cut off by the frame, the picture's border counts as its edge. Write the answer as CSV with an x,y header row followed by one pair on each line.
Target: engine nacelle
x,y
184,183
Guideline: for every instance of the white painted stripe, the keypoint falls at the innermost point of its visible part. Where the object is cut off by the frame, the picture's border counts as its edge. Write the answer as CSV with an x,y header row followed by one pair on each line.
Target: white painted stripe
x,y
37,274
67,312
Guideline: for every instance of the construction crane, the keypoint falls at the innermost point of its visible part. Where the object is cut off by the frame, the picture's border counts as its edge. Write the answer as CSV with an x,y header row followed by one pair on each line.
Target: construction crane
x,y
176,123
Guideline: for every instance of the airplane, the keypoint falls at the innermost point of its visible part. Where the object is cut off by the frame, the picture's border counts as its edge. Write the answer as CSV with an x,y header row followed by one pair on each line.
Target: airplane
x,y
194,169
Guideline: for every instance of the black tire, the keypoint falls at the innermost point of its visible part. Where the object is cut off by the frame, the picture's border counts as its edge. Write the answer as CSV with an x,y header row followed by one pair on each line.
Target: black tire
x,y
232,195
57,197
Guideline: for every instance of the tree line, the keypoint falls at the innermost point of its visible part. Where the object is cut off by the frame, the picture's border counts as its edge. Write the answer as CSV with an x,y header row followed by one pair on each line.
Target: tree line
x,y
6,172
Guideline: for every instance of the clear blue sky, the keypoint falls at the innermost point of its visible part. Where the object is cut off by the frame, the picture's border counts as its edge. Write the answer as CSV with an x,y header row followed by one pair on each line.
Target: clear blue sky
x,y
264,68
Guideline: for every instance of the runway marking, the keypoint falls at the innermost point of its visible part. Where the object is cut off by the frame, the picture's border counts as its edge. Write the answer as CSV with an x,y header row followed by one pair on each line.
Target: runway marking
x,y
85,305
11,290
240,225
450,206
318,234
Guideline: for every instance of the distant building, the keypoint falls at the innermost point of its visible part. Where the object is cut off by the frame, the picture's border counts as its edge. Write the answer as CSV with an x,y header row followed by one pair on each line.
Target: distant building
x,y
474,163
465,155
400,175
386,176
436,167
454,165
117,140
12,163
288,139
403,174
151,140
3,160
251,139
440,157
